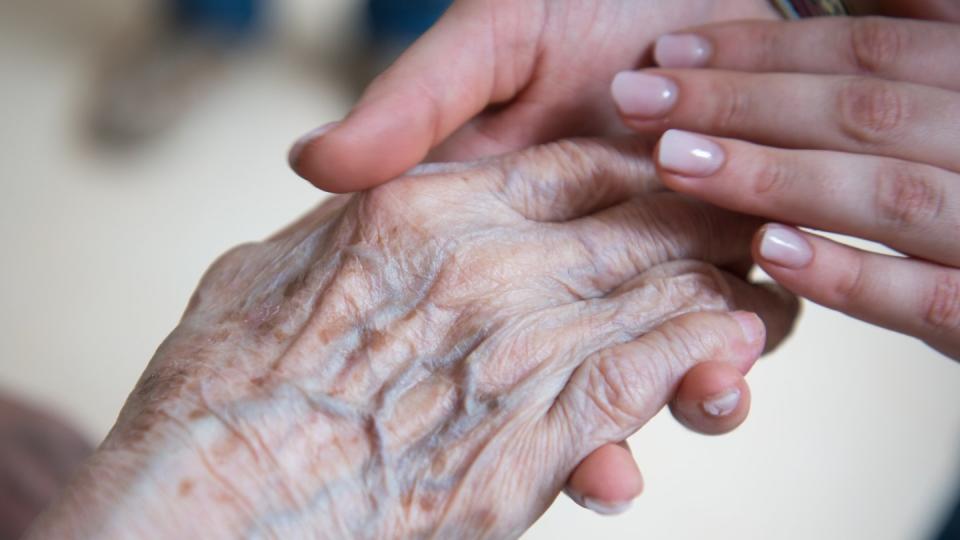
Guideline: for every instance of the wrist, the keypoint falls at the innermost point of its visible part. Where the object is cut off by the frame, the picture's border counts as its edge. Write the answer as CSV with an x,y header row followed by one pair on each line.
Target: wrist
x,y
156,483
259,459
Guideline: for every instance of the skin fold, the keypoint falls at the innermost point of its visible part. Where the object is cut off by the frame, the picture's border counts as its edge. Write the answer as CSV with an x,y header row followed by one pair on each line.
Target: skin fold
x,y
431,358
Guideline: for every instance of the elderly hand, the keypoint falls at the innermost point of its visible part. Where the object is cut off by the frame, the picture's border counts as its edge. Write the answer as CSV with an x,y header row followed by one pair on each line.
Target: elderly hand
x,y
494,76
429,358
848,125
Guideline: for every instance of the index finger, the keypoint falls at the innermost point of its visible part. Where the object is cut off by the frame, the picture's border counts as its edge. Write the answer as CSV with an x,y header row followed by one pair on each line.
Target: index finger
x,y
908,50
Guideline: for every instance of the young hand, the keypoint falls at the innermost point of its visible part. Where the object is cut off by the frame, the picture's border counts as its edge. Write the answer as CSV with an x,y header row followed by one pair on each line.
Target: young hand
x,y
847,125
494,76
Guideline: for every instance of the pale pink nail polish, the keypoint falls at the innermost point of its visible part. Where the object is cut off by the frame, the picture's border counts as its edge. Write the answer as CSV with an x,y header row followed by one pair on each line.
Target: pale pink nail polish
x,y
785,247
305,139
688,154
643,95
682,51
723,403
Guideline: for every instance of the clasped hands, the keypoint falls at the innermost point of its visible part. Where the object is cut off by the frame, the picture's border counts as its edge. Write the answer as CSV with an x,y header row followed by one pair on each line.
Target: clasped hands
x,y
431,358
434,357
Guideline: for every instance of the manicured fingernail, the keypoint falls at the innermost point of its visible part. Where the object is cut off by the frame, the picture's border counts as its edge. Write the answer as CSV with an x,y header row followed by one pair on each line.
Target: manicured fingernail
x,y
751,326
785,246
643,95
305,139
688,154
606,508
723,403
682,51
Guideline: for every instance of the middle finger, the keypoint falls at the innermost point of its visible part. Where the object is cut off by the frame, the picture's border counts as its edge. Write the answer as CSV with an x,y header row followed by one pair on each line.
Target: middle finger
x,y
910,207
852,114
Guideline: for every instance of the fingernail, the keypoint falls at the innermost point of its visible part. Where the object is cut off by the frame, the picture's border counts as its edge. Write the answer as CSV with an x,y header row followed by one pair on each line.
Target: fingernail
x,y
640,94
688,154
606,508
785,246
723,403
682,51
751,326
294,155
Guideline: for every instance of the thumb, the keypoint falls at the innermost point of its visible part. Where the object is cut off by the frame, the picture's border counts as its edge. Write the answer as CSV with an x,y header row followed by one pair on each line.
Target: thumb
x,y
617,390
448,76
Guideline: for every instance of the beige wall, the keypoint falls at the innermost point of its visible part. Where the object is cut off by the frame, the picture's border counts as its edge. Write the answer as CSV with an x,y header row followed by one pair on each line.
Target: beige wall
x,y
855,431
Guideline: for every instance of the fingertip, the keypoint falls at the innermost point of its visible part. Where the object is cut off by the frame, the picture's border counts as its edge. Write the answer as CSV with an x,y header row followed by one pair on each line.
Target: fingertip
x,y
606,481
779,247
306,140
315,158
339,162
713,398
377,142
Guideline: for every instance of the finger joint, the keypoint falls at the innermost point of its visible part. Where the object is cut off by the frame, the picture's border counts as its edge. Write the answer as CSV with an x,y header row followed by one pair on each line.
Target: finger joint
x,y
850,288
876,44
733,110
610,387
871,113
771,177
907,200
941,310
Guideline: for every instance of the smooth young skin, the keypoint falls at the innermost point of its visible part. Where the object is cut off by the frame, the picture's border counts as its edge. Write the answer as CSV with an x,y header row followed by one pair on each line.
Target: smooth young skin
x,y
495,76
844,125
399,364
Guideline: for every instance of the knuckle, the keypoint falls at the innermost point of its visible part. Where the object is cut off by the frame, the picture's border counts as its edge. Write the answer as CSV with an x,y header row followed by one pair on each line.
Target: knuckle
x,y
771,177
700,286
875,44
850,286
238,254
390,199
224,269
694,341
905,199
733,106
941,307
871,112
409,202
612,386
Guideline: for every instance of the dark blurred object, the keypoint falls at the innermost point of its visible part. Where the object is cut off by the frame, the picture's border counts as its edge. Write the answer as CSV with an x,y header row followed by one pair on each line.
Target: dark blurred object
x,y
403,20
393,25
951,531
152,83
233,19
38,454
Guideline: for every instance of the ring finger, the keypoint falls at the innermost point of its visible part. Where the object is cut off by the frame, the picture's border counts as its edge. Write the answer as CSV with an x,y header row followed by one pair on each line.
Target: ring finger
x,y
910,207
844,113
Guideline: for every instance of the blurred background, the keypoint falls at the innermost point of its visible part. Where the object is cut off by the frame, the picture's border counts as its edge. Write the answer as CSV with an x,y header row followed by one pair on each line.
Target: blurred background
x,y
136,146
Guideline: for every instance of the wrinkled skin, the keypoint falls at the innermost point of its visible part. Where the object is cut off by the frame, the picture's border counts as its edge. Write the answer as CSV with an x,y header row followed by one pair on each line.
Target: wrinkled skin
x,y
428,359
